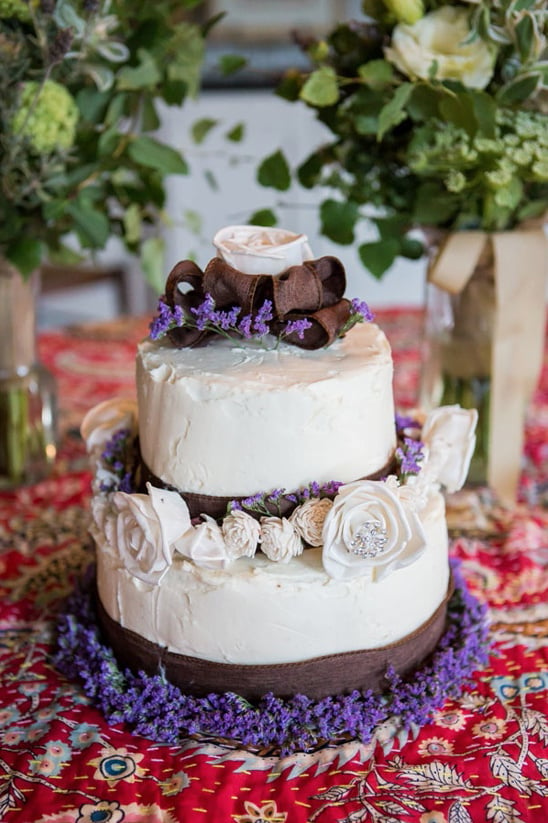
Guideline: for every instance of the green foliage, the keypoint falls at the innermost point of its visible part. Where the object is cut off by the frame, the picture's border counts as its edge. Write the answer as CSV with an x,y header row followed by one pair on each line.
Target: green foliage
x,y
274,172
420,141
80,88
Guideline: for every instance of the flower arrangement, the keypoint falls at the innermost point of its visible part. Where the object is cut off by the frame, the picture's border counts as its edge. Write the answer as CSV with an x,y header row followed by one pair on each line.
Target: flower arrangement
x,y
233,323
438,112
81,83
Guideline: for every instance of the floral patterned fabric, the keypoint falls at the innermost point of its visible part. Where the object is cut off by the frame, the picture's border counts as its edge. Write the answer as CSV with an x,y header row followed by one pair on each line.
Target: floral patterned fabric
x,y
483,757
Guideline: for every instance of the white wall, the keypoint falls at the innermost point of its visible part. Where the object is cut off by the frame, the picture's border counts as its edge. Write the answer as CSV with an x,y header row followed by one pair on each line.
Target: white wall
x,y
270,123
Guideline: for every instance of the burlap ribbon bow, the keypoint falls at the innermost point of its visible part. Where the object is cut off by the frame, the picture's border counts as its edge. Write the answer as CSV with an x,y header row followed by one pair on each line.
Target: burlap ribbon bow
x,y
312,291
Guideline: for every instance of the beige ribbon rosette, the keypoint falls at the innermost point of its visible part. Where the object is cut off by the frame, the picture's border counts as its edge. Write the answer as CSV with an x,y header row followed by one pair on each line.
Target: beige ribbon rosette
x,y
519,262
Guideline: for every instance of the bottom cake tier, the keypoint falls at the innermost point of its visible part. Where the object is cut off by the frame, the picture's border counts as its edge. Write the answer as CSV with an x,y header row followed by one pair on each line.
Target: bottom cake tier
x,y
289,628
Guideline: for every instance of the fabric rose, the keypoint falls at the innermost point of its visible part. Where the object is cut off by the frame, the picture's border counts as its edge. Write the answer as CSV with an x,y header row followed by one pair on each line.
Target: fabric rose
x,y
204,545
144,531
256,250
449,439
241,533
104,420
309,518
279,540
370,528
442,38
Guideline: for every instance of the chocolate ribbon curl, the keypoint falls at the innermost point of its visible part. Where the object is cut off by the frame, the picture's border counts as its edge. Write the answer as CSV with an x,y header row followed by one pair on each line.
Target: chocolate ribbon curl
x,y
312,291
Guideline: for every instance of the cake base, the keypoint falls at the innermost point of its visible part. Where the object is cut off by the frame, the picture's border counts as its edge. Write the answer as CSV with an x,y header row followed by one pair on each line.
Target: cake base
x,y
154,708
317,678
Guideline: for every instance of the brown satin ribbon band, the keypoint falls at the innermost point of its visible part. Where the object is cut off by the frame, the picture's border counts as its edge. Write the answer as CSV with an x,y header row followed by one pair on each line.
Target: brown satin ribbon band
x,y
312,291
216,506
317,678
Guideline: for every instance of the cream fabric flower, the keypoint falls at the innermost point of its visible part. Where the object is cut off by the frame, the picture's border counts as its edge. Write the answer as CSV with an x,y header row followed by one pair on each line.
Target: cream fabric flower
x,y
370,528
449,438
204,545
309,518
241,533
256,250
144,529
441,37
279,540
104,420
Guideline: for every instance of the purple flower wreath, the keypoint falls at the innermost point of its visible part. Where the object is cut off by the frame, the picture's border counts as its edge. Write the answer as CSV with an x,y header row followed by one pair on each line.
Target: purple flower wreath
x,y
154,708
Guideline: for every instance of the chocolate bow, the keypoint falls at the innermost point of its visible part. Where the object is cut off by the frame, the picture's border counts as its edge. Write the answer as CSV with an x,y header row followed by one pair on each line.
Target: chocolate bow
x,y
312,291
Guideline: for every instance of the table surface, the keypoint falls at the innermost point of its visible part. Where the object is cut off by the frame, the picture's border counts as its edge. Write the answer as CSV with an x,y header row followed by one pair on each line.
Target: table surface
x,y
482,758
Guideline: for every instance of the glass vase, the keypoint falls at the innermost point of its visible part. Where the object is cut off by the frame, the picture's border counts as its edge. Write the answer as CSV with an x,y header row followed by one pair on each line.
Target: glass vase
x,y
27,388
456,353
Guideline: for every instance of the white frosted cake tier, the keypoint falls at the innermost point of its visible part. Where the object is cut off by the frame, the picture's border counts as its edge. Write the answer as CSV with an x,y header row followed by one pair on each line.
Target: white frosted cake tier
x,y
259,612
232,420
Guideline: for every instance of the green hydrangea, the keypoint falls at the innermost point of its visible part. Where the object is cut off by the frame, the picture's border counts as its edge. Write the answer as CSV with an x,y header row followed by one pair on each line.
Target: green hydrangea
x,y
15,8
47,116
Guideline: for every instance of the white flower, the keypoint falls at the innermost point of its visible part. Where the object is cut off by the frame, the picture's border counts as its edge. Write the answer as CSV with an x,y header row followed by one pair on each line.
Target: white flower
x,y
449,438
279,540
442,37
241,533
144,530
256,250
308,520
104,420
204,545
370,528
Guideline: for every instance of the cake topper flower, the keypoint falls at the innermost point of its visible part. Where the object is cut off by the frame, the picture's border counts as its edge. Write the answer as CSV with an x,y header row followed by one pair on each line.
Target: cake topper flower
x,y
258,250
370,529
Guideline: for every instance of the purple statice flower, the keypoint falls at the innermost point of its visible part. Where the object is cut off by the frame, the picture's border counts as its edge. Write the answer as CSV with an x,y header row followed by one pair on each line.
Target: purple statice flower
x,y
118,457
204,314
410,454
262,319
361,309
331,488
153,707
166,319
404,421
297,326
226,320
244,326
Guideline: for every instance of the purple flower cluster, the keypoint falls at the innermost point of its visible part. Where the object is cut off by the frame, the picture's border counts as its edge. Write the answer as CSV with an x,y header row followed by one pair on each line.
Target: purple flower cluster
x,y
410,454
361,309
154,708
267,502
296,327
118,457
206,317
406,422
166,319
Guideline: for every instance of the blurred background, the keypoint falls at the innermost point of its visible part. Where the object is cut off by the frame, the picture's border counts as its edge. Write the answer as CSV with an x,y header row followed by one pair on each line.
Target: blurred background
x,y
221,187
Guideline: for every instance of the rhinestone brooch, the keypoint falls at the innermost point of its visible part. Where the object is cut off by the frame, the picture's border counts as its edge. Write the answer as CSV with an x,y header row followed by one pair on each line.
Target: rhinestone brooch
x,y
369,540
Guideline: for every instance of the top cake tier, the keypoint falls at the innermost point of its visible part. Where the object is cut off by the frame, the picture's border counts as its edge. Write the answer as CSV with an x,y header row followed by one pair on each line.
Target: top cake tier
x,y
232,419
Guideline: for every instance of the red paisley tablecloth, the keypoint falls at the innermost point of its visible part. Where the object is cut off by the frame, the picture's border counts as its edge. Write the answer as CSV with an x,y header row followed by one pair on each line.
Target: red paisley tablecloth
x,y
484,757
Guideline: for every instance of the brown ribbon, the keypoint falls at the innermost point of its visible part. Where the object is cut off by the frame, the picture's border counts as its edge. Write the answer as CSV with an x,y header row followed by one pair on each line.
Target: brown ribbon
x,y
216,506
317,678
312,291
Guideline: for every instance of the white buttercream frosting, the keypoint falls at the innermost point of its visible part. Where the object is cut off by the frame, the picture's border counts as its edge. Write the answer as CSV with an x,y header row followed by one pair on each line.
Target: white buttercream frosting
x,y
229,420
